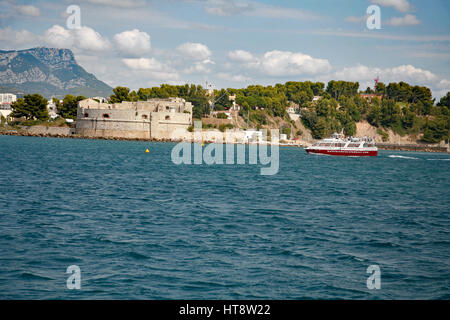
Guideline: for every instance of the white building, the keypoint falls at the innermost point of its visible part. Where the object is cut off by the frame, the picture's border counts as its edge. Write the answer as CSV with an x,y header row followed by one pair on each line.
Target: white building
x,y
234,106
317,98
293,108
5,113
52,110
100,99
7,98
253,136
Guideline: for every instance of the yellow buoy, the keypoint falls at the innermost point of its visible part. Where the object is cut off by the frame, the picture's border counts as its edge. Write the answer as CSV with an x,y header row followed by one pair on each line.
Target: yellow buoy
x,y
147,151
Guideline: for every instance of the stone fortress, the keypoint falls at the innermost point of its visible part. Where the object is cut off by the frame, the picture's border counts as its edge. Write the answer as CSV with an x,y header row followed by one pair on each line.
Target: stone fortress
x,y
152,119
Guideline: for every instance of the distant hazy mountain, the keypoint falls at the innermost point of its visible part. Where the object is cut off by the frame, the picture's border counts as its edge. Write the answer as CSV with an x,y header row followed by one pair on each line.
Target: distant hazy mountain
x,y
48,71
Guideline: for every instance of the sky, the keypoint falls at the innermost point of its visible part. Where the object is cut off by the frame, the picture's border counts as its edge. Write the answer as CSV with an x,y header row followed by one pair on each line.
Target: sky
x,y
236,43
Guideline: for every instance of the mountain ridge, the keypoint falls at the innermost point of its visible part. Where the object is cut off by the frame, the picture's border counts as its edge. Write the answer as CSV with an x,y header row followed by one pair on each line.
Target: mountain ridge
x,y
51,72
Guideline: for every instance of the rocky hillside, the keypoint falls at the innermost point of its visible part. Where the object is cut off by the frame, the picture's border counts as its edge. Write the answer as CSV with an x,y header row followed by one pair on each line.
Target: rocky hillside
x,y
48,71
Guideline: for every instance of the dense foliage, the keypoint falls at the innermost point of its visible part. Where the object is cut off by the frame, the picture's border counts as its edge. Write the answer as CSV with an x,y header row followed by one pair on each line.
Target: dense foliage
x,y
399,106
30,107
68,108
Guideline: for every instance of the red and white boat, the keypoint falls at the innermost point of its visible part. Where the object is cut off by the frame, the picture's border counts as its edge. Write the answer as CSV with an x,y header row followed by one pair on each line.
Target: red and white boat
x,y
337,146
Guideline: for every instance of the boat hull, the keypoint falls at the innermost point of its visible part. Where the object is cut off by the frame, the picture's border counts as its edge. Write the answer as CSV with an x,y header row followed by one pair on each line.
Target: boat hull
x,y
348,153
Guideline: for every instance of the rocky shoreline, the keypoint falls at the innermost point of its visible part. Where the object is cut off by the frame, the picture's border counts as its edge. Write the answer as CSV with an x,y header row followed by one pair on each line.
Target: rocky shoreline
x,y
381,146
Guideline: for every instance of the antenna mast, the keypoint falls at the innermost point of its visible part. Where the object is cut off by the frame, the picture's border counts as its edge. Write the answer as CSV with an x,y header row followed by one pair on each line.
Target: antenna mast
x,y
377,79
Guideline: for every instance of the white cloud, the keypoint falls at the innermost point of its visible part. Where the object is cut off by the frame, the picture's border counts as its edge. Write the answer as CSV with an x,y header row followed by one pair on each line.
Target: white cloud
x,y
401,73
199,67
89,39
28,10
195,51
278,63
234,78
225,7
152,68
400,5
407,73
253,8
13,39
353,19
59,37
143,64
407,20
375,35
412,73
119,3
133,42
285,63
84,38
240,56
196,56
445,84
269,11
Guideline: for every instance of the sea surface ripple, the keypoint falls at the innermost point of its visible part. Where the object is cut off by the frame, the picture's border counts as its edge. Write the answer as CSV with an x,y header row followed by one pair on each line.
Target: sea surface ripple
x,y
141,227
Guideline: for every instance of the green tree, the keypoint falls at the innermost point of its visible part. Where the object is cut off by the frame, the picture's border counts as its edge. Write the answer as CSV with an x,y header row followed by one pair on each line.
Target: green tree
x,y
68,108
380,88
31,106
369,90
338,88
286,131
437,130
120,94
374,116
350,128
445,101
133,96
221,100
320,129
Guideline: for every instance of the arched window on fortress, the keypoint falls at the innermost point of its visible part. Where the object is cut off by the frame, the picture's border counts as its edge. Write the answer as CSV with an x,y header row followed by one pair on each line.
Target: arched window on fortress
x,y
144,116
86,115
105,115
167,118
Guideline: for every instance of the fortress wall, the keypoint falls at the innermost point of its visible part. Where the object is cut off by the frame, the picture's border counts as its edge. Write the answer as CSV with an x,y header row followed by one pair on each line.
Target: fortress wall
x,y
155,105
113,123
113,114
52,131
167,124
133,120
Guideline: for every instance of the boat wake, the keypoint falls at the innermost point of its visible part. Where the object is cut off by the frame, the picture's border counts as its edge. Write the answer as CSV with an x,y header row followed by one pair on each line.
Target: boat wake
x,y
403,157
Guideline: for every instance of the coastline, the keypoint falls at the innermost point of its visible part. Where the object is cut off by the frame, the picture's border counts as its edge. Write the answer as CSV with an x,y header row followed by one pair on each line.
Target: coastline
x,y
381,146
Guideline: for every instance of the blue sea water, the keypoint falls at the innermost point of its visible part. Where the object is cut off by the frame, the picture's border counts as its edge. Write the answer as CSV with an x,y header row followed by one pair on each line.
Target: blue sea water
x,y
140,227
